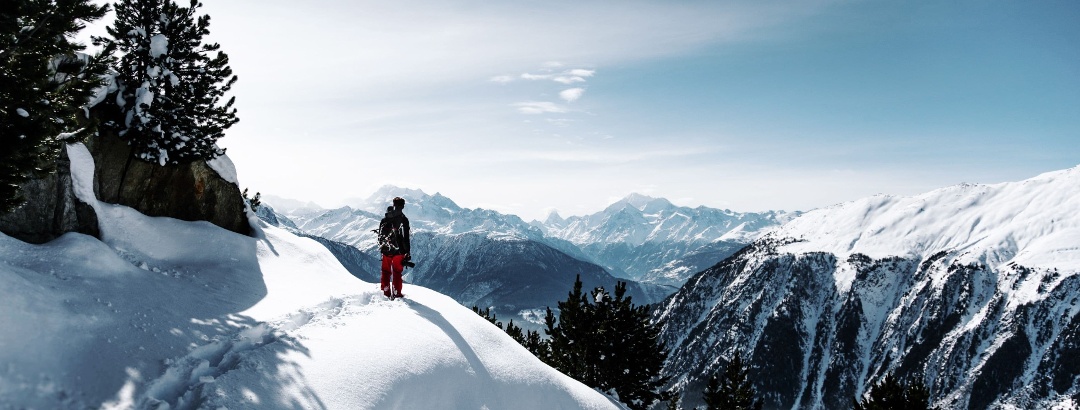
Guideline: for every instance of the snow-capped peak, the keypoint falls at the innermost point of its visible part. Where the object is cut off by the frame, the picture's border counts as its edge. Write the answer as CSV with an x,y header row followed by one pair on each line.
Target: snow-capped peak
x,y
1034,223
427,213
554,219
288,205
642,203
386,193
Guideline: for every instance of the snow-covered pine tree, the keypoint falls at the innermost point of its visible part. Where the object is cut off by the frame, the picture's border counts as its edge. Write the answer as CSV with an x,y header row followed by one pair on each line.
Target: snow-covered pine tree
x,y
171,89
44,83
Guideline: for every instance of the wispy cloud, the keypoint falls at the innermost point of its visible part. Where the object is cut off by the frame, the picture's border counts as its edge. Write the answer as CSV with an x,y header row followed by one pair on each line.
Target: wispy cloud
x,y
550,71
539,107
581,72
571,94
590,156
576,75
560,122
530,76
568,79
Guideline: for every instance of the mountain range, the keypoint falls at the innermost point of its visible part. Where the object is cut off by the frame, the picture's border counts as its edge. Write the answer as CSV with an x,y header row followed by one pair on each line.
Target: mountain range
x,y
972,290
652,240
485,258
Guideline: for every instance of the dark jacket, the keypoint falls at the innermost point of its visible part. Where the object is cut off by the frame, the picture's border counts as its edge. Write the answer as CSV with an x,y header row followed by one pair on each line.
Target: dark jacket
x,y
398,219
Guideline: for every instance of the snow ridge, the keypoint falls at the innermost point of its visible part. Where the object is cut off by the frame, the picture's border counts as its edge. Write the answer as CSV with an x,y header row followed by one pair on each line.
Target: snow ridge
x,y
1033,223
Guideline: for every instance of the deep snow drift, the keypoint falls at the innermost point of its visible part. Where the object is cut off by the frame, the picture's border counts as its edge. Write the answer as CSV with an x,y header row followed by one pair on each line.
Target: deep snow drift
x,y
164,313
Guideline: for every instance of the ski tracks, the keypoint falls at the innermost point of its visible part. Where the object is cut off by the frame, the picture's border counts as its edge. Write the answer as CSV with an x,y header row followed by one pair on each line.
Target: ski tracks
x,y
189,382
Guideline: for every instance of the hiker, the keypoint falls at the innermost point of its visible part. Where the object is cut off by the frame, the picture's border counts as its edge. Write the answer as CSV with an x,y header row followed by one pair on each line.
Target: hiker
x,y
394,245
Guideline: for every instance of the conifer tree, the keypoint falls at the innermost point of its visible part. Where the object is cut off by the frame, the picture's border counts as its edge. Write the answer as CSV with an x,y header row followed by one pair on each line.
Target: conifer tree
x,y
486,314
674,402
712,396
531,339
732,391
570,338
537,345
253,202
515,332
890,394
631,351
609,344
44,84
171,87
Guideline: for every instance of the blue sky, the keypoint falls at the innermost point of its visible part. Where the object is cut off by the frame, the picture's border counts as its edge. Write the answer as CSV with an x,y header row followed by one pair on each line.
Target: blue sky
x,y
524,106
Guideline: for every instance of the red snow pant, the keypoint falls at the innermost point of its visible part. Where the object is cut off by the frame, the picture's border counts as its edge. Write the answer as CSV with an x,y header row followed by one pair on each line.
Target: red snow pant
x,y
391,270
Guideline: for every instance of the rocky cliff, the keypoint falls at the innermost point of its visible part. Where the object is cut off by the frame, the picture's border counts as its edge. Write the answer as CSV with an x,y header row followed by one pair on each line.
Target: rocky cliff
x,y
190,192
51,209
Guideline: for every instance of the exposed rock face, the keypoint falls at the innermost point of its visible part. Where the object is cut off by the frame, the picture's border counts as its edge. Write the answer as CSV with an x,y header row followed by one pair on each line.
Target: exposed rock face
x,y
960,329
972,290
190,192
51,209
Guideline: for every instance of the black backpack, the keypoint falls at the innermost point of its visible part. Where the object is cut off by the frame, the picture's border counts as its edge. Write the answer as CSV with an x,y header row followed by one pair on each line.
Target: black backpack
x,y
391,236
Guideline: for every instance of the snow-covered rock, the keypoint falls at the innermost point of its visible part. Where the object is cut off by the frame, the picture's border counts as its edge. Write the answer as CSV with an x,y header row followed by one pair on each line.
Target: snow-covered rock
x,y
51,209
195,191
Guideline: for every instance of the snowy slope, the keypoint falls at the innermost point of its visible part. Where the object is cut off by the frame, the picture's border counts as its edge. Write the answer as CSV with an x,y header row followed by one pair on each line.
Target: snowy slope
x,y
972,289
164,313
1034,223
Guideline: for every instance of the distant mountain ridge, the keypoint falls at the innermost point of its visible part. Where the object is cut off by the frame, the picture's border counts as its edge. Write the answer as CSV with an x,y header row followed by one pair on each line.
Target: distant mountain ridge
x,y
427,213
653,240
639,237
972,289
637,219
483,257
